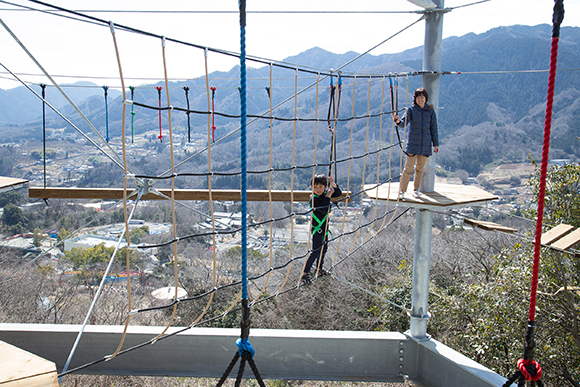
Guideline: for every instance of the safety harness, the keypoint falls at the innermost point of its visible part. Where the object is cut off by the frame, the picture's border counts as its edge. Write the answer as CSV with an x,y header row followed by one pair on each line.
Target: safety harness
x,y
319,223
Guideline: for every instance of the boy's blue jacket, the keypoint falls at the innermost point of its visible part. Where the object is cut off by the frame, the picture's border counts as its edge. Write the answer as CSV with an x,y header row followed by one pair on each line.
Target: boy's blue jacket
x,y
422,134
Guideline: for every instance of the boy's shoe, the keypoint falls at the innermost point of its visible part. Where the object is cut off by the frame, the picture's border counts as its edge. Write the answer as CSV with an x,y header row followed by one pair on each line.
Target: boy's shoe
x,y
322,272
401,195
305,280
416,194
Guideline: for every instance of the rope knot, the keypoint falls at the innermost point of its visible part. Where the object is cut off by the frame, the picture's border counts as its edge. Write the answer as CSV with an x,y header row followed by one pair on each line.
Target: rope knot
x,y
245,346
530,369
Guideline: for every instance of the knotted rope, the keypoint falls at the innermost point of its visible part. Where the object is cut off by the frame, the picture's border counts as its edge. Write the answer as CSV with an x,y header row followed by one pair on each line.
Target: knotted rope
x,y
528,369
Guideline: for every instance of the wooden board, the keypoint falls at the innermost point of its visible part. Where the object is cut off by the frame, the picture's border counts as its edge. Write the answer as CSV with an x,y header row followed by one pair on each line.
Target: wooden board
x,y
180,194
445,195
7,182
22,368
568,241
490,226
556,233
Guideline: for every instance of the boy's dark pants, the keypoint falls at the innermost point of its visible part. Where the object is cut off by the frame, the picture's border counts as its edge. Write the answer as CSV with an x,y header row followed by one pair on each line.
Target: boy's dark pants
x,y
318,241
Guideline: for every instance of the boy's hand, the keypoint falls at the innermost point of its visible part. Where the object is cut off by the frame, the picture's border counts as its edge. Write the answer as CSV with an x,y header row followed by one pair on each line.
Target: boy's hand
x,y
331,181
329,191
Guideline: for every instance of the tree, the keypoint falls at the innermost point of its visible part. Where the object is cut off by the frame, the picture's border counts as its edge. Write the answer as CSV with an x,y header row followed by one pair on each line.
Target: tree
x,y
136,234
62,235
37,154
13,215
10,197
38,237
560,336
562,204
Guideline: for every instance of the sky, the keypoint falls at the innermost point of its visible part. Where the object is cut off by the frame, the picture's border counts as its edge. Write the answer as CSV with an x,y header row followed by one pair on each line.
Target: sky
x,y
72,50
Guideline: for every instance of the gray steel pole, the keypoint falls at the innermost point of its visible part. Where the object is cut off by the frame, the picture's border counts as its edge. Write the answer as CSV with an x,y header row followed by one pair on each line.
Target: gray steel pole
x,y
432,61
424,218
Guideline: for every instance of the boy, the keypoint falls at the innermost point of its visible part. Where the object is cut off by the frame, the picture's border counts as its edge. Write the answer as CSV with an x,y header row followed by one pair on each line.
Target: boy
x,y
323,188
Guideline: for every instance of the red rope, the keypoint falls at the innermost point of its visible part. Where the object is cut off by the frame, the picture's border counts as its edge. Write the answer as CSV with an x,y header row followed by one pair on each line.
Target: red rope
x,y
159,88
530,369
543,173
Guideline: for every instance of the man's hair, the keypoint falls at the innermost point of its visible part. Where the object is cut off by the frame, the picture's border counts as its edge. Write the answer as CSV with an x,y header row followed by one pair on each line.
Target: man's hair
x,y
319,179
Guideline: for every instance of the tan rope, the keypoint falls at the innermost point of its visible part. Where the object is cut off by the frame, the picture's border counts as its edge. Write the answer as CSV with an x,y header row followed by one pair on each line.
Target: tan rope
x,y
204,311
383,225
269,191
379,163
308,244
214,263
175,271
292,179
364,164
348,172
128,254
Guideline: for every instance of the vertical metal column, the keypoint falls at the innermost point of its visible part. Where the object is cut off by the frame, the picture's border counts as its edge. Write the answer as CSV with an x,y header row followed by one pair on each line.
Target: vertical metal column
x,y
424,218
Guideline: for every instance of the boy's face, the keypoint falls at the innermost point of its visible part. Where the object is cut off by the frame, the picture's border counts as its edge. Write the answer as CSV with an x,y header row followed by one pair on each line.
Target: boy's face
x,y
318,189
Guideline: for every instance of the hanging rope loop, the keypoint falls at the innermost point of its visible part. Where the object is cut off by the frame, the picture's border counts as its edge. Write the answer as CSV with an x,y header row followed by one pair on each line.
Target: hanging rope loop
x,y
186,89
132,88
213,89
331,104
159,88
106,89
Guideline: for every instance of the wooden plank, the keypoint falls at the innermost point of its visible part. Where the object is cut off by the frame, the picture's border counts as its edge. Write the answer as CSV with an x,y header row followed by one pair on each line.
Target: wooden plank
x,y
556,233
490,226
22,368
444,195
567,241
7,182
180,194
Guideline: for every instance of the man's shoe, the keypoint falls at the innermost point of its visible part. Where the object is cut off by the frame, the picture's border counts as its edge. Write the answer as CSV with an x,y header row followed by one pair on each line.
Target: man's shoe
x,y
416,194
401,195
322,272
305,280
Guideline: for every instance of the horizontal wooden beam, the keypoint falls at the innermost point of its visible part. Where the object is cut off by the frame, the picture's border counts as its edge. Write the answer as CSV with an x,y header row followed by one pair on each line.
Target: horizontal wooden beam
x,y
180,194
489,226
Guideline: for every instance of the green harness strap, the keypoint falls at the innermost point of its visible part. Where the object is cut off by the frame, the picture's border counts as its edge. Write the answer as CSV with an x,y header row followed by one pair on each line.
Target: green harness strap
x,y
320,222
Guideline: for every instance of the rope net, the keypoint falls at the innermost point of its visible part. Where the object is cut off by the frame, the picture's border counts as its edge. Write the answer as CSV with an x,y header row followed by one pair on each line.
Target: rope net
x,y
197,136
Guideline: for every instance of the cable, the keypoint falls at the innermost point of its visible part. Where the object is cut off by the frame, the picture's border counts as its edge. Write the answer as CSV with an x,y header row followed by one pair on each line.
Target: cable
x,y
116,162
58,87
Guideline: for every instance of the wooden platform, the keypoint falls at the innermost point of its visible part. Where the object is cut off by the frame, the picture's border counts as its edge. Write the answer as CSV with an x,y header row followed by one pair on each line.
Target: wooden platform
x,y
7,183
180,194
489,226
568,241
556,233
562,237
445,196
22,368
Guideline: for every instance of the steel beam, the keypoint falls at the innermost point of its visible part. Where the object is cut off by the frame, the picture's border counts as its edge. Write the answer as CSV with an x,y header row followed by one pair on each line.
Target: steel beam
x,y
280,354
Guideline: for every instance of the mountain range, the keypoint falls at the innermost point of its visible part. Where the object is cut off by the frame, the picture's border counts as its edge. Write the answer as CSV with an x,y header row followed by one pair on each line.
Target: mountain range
x,y
491,105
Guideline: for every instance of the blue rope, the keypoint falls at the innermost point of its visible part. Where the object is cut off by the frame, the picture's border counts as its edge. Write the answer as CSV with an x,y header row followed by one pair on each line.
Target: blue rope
x,y
245,346
106,88
242,4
